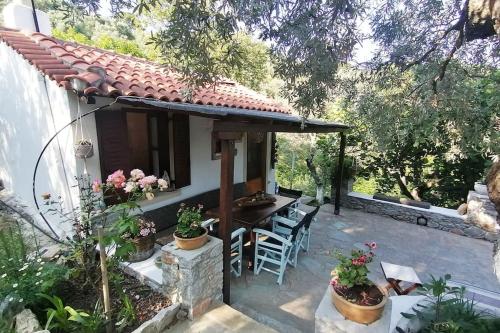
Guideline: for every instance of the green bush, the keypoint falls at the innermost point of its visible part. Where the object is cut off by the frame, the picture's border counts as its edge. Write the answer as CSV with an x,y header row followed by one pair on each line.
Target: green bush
x,y
23,275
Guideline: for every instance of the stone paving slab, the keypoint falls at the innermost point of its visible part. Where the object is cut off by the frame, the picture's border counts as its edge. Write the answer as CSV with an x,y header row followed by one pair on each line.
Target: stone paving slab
x,y
221,319
291,306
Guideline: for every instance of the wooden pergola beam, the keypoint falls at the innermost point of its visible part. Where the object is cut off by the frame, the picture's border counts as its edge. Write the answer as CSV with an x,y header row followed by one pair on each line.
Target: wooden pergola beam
x,y
231,126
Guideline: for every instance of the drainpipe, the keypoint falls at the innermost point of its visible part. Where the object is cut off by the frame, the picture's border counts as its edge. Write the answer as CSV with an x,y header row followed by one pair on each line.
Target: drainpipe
x,y
35,18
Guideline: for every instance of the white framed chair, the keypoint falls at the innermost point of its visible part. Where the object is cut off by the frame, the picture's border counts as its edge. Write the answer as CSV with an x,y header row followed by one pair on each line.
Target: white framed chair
x,y
294,213
236,246
283,225
273,249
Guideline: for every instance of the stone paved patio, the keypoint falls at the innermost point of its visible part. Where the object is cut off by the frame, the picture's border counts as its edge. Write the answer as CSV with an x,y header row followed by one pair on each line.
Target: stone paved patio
x,y
291,306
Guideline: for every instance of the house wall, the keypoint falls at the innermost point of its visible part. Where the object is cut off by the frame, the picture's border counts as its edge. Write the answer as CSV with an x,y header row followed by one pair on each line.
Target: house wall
x,y
27,121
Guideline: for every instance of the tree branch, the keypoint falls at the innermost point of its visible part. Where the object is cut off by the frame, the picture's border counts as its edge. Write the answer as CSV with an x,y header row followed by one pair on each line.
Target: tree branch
x,y
458,26
442,70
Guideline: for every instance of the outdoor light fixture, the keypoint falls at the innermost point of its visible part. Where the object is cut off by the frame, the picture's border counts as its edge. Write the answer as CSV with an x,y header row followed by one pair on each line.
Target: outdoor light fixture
x,y
422,220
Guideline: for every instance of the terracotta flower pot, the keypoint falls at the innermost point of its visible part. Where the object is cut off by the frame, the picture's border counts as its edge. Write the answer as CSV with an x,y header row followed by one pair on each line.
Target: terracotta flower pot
x,y
144,248
191,243
363,314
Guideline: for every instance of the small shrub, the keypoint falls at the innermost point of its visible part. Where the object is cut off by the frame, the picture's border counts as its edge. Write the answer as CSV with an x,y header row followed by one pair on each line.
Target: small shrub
x,y
23,276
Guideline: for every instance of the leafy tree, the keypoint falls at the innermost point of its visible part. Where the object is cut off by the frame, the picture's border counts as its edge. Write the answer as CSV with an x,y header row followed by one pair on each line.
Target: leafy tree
x,y
428,145
309,40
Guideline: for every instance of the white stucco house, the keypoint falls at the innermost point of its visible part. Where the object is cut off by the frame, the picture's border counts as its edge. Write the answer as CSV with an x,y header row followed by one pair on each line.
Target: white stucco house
x,y
53,94
46,83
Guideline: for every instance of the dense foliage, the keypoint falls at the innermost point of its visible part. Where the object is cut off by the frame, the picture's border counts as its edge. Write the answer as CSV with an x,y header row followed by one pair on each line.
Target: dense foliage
x,y
408,141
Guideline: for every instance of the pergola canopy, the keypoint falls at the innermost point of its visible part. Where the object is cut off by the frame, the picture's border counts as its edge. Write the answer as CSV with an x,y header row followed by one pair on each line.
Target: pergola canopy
x,y
237,119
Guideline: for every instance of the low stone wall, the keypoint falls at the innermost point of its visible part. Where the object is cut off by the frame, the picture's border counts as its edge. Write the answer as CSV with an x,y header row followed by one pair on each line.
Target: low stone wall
x,y
193,278
437,217
161,321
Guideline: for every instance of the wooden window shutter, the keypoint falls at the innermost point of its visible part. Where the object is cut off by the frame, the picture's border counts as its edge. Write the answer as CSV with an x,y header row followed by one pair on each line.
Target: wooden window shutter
x,y
113,142
182,160
163,144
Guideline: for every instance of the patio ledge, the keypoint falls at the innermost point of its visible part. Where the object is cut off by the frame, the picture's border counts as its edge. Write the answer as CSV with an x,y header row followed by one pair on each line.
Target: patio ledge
x,y
434,209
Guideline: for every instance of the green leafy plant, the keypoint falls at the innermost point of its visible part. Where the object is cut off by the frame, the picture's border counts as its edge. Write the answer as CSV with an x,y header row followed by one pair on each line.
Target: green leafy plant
x,y
126,316
352,270
446,310
189,221
62,318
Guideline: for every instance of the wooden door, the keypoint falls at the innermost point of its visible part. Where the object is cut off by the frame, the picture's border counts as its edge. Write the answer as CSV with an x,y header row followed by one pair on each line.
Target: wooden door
x,y
256,162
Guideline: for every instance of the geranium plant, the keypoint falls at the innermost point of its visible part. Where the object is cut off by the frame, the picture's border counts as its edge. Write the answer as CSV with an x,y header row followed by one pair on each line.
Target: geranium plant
x,y
350,276
189,221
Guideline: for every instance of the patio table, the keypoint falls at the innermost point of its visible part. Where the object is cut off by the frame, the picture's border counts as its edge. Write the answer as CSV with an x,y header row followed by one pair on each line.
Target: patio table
x,y
250,217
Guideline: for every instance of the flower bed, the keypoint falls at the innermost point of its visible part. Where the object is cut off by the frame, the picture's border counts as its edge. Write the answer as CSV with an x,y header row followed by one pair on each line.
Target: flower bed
x,y
79,289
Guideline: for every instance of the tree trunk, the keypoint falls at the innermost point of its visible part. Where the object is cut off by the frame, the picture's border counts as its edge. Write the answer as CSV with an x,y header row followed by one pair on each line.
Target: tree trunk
x,y
413,194
317,179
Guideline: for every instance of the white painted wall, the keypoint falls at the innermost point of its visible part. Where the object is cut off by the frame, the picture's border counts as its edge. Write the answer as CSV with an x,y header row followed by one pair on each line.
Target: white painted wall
x,y
27,123
16,15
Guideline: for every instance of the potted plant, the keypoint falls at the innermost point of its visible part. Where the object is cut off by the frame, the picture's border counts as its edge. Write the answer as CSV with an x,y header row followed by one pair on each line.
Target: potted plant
x,y
353,294
189,234
84,149
133,234
137,235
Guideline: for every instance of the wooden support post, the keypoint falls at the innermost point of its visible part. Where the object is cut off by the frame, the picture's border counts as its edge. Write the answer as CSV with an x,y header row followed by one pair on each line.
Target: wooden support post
x,y
104,277
226,212
340,171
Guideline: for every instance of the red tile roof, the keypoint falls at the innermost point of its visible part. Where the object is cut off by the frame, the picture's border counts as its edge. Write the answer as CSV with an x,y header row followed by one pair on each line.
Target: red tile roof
x,y
104,73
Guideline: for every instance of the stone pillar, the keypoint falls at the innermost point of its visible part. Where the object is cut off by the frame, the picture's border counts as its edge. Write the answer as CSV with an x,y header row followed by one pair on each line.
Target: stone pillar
x,y
193,278
481,211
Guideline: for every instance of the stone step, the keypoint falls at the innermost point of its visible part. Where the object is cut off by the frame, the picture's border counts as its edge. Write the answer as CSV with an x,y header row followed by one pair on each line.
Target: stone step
x,y
221,319
266,320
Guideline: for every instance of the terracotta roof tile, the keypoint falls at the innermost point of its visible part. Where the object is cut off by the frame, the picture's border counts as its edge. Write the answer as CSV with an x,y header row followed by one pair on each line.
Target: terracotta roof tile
x,y
104,73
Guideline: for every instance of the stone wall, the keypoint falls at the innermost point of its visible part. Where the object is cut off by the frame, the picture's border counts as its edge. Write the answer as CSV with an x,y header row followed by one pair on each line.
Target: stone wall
x,y
193,278
437,217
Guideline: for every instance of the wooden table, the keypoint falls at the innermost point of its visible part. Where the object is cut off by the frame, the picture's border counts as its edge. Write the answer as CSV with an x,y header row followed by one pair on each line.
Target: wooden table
x,y
250,217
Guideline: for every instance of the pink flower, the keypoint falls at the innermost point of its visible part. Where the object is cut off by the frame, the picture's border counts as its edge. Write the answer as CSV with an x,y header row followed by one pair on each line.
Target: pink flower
x,y
136,174
144,232
129,187
117,179
147,181
96,186
371,245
